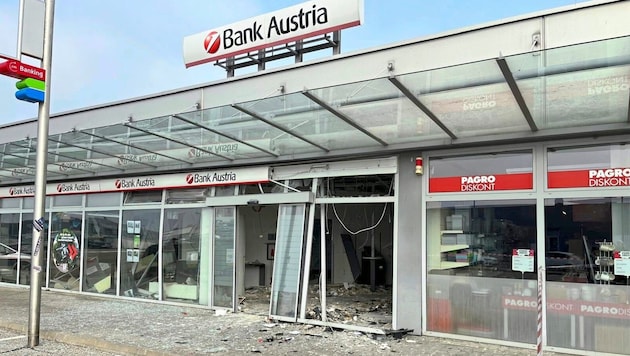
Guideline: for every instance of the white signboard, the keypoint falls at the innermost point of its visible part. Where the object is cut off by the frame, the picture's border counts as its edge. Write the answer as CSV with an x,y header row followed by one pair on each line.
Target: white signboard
x,y
290,24
247,175
523,260
622,263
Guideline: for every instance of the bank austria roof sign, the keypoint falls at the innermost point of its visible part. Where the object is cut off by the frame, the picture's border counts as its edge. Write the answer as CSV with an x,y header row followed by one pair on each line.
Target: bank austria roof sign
x,y
290,24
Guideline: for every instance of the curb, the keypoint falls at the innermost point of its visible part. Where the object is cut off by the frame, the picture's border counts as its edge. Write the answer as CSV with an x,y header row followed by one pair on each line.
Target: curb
x,y
86,341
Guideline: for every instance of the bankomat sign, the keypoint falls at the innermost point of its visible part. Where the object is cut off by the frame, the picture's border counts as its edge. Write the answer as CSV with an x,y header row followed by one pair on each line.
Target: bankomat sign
x,y
297,22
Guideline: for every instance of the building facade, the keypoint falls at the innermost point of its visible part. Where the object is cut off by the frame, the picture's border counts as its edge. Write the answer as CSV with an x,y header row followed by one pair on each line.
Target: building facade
x,y
475,180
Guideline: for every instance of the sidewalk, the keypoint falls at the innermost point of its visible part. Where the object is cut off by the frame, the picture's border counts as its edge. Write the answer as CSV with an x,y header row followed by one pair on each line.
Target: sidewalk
x,y
127,327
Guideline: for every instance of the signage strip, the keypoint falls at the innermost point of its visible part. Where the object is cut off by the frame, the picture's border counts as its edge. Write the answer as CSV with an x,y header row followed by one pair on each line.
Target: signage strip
x,y
167,181
482,183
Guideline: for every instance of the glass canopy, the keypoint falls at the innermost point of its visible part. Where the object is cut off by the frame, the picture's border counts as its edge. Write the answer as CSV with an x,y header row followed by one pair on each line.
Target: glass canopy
x,y
583,86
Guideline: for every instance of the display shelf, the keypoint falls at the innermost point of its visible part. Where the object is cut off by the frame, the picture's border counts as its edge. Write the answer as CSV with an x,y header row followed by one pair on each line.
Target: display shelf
x,y
449,265
451,247
448,248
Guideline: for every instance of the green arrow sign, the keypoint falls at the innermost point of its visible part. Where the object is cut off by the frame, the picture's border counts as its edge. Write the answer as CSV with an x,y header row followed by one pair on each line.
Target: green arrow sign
x,y
30,83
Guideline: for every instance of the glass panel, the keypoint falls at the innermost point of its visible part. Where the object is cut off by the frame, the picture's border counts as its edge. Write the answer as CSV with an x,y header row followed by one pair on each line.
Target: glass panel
x,y
65,261
185,196
102,199
68,200
14,264
471,99
380,107
227,190
482,172
101,251
577,85
139,254
245,127
10,202
589,166
26,245
29,203
356,186
588,297
142,197
180,254
224,245
220,142
287,260
473,286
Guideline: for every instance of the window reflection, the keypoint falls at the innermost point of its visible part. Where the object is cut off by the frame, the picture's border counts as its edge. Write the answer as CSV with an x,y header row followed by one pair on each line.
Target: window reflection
x,y
473,281
587,281
101,246
180,254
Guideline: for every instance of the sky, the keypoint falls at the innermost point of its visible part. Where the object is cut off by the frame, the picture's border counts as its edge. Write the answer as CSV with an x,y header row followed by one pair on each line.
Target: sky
x,y
105,51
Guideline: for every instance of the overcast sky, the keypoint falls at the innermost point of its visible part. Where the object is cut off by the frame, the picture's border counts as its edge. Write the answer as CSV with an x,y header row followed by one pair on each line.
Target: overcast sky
x,y
106,51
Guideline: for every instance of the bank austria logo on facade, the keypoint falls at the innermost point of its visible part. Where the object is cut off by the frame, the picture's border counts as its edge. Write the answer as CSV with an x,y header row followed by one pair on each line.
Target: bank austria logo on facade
x,y
73,187
135,183
212,42
209,178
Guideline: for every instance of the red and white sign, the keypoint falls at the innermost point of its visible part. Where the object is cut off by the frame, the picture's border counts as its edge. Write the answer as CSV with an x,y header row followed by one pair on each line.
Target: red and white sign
x,y
19,70
165,181
570,307
481,183
523,260
622,263
589,178
293,23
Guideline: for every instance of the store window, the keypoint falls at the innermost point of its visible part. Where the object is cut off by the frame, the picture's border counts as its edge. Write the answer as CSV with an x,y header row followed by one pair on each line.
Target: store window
x,y
475,282
139,253
181,254
14,264
589,166
102,199
65,251
588,270
481,173
101,251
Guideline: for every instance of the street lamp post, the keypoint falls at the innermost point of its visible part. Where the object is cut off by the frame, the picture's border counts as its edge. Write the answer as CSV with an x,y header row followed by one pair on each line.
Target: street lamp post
x,y
40,181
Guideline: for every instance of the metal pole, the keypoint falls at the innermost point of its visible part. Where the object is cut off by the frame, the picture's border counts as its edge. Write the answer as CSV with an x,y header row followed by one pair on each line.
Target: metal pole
x,y
40,181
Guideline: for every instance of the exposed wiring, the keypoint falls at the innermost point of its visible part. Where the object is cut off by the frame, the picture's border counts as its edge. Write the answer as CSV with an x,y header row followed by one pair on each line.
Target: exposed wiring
x,y
366,228
361,230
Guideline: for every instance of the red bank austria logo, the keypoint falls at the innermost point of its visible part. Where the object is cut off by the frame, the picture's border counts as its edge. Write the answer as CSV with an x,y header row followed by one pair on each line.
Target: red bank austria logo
x,y
190,179
212,42
118,183
11,191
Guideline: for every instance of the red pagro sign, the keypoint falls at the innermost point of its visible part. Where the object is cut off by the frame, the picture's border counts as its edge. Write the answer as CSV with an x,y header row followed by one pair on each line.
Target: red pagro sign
x,y
589,178
481,183
19,70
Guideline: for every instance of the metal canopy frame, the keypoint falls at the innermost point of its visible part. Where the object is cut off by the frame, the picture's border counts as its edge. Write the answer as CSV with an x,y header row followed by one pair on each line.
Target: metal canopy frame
x,y
279,127
130,125
101,152
100,137
67,157
231,137
536,95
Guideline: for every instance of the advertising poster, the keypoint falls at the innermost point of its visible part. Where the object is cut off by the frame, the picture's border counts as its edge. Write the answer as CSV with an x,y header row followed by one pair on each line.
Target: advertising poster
x,y
65,250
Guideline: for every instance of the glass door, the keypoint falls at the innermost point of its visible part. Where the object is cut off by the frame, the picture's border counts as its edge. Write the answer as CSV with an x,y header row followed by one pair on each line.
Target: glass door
x,y
287,262
223,294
